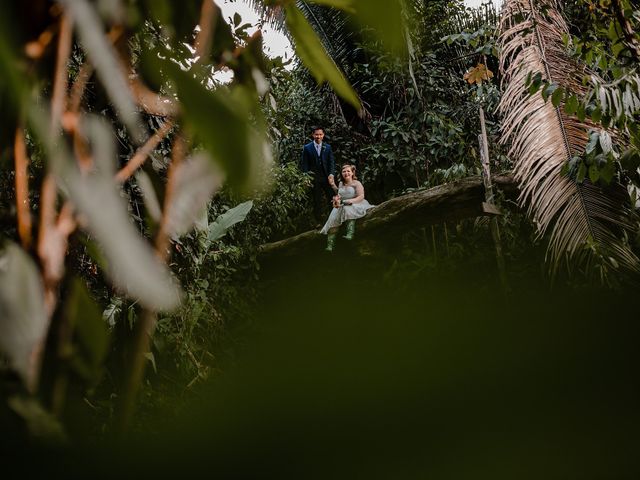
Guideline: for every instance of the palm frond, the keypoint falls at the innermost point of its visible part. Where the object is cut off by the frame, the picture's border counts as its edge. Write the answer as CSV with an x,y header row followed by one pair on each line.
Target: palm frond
x,y
334,28
468,20
339,38
331,26
583,218
272,15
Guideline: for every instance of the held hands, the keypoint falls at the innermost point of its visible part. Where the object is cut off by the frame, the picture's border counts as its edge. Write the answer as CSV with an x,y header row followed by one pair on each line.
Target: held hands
x,y
332,182
337,202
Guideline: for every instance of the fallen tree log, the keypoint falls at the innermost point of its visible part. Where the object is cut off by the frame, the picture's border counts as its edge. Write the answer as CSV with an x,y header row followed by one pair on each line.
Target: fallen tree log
x,y
452,201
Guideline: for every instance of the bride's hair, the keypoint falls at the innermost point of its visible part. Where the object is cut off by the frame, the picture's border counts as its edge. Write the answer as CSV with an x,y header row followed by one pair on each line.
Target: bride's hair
x,y
351,167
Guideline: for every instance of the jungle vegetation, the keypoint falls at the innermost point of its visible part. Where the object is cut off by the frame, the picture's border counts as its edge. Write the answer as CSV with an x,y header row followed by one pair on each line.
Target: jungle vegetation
x,y
146,325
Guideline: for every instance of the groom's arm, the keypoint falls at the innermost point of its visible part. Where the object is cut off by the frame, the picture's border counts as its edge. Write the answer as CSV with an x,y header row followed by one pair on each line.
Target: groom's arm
x,y
304,165
332,162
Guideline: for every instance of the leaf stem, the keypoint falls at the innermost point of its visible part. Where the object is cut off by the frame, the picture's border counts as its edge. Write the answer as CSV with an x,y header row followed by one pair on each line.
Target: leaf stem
x,y
60,75
144,151
204,39
629,34
23,207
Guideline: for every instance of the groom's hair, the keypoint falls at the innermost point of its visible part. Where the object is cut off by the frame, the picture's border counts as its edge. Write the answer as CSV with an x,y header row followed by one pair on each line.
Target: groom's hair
x,y
317,127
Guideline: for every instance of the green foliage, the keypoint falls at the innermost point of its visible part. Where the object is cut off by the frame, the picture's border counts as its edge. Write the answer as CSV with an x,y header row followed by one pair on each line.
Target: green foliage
x,y
154,94
413,133
454,249
482,41
279,211
217,265
599,162
454,172
407,120
605,39
87,348
225,221
420,114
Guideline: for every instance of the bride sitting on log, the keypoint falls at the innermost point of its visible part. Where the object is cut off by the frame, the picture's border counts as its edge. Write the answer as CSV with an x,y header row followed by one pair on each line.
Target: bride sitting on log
x,y
348,205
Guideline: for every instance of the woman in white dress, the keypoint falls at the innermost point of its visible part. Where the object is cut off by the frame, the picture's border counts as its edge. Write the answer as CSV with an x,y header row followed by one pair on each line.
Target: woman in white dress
x,y
348,205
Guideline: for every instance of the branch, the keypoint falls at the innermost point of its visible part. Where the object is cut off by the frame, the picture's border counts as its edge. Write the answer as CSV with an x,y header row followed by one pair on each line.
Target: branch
x,y
178,152
49,260
204,39
52,240
23,208
629,33
60,75
152,102
143,152
80,84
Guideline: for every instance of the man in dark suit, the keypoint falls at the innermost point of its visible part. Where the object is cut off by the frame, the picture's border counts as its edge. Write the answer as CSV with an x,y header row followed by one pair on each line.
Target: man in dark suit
x,y
317,159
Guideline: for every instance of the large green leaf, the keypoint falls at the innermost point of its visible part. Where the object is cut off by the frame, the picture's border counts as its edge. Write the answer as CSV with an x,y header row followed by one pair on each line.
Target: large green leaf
x,y
314,56
384,17
23,319
41,424
227,220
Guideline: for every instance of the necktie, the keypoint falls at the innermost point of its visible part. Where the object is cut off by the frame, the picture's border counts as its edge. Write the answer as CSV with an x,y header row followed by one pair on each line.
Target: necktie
x,y
318,148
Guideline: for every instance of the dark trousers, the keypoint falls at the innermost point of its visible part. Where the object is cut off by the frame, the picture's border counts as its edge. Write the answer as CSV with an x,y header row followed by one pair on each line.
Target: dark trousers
x,y
322,195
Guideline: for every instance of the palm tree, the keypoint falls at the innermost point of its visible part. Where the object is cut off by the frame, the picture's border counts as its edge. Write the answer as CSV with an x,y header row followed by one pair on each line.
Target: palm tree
x,y
587,222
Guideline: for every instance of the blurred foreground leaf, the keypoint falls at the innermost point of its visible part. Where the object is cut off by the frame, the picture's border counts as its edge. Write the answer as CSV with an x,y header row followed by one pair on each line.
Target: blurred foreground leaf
x,y
104,58
23,320
132,265
196,179
149,194
41,425
221,122
384,18
313,54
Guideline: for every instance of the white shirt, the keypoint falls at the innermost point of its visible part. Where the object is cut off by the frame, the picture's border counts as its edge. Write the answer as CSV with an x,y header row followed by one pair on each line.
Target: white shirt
x,y
318,147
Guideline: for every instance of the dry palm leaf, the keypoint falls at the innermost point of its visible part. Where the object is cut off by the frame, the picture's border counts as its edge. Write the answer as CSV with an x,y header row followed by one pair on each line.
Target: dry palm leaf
x,y
585,220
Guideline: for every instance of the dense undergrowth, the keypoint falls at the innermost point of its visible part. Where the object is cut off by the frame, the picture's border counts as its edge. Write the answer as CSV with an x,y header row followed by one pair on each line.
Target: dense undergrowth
x,y
361,329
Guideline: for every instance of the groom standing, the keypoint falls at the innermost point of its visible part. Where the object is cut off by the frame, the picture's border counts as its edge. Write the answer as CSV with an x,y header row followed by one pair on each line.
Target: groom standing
x,y
317,158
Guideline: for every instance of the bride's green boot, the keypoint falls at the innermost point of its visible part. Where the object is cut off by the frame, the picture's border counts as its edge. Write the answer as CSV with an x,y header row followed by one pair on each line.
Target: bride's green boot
x,y
351,229
331,241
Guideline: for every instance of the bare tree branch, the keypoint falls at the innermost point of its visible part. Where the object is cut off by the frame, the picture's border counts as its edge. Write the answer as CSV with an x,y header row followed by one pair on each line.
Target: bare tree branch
x,y
60,78
23,207
144,151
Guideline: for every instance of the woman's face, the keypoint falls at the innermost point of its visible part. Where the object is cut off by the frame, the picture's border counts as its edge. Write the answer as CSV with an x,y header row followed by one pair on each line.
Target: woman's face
x,y
347,174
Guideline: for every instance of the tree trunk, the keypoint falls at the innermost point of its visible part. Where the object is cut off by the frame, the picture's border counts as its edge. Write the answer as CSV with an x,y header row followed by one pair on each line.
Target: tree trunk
x,y
452,201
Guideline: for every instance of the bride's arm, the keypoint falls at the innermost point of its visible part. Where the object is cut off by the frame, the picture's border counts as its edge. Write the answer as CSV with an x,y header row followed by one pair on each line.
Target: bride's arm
x,y
359,194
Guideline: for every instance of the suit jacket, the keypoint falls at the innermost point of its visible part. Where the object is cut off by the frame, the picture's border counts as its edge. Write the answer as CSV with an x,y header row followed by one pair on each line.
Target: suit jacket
x,y
322,166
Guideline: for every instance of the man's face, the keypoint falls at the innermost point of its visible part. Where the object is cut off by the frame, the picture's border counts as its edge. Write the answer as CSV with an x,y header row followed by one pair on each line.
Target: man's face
x,y
318,135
